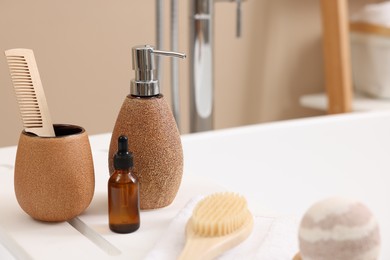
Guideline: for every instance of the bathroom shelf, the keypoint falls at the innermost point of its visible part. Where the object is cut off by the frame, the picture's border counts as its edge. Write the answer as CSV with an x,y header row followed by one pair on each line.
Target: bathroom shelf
x,y
360,103
282,167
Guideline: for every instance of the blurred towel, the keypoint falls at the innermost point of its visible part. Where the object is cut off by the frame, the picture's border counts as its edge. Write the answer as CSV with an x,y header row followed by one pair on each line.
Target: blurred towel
x,y
273,238
378,14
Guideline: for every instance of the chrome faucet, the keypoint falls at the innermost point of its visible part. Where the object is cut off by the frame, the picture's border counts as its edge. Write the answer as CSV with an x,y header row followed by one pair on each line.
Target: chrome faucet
x,y
201,67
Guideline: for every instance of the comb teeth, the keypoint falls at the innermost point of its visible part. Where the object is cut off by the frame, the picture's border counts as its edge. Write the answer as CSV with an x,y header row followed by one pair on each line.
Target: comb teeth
x,y
219,214
25,92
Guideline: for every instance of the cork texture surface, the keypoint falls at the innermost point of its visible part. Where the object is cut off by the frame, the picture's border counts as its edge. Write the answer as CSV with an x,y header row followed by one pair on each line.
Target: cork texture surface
x,y
156,145
54,177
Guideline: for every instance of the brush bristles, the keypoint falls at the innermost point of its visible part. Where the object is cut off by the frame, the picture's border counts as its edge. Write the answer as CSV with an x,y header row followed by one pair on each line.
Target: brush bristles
x,y
24,89
219,214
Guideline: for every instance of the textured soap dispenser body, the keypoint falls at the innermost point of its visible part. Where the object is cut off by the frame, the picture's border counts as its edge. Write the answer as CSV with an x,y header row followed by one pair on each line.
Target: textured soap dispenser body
x,y
146,119
155,142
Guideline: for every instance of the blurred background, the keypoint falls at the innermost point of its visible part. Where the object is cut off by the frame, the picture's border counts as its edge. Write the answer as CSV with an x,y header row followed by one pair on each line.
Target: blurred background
x,y
83,52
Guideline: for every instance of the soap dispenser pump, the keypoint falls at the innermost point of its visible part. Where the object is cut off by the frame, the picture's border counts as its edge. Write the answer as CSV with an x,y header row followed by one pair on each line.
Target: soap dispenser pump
x,y
154,138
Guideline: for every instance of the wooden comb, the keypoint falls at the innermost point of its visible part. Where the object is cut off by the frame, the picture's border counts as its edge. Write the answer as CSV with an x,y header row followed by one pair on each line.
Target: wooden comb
x,y
29,92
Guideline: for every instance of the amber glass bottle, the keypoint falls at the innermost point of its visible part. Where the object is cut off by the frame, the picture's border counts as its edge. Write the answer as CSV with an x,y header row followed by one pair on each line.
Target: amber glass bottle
x,y
123,192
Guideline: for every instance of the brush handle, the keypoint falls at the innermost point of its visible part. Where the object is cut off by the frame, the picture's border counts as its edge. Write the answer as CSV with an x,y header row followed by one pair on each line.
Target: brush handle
x,y
199,248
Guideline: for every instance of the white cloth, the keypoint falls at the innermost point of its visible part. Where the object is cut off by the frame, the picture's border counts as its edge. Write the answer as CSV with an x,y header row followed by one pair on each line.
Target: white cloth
x,y
378,14
272,238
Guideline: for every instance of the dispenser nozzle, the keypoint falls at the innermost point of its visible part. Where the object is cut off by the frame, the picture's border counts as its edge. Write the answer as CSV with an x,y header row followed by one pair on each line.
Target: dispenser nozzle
x,y
170,54
145,83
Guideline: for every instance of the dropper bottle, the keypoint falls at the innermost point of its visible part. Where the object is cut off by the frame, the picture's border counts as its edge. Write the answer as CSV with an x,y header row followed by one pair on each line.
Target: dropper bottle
x,y
123,192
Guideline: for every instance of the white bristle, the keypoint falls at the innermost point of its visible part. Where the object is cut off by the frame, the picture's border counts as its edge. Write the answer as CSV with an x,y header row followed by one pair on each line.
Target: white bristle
x,y
219,214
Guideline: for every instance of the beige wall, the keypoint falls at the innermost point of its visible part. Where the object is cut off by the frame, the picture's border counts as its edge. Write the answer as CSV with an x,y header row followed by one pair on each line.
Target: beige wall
x,y
83,54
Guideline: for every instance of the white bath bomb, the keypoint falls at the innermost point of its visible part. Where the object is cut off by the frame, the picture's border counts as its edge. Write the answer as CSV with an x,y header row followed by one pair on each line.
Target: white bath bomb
x,y
339,229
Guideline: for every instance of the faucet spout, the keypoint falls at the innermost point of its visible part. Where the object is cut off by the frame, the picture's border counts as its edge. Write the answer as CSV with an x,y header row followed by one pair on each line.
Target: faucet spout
x,y
202,65
201,74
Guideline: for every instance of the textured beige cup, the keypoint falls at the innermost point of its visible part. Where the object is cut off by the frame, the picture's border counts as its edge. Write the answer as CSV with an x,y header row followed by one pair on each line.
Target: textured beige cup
x,y
54,176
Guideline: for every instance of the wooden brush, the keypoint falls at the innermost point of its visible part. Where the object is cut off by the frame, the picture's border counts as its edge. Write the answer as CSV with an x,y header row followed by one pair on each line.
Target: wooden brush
x,y
219,222
29,92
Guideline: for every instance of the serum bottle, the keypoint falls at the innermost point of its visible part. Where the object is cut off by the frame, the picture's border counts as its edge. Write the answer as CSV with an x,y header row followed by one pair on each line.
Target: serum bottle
x,y
123,192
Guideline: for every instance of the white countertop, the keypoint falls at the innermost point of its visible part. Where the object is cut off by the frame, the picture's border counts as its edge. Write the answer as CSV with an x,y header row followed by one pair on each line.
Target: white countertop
x,y
280,167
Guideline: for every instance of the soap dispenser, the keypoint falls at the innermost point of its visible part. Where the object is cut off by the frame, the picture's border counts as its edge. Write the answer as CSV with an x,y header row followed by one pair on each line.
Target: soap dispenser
x,y
146,119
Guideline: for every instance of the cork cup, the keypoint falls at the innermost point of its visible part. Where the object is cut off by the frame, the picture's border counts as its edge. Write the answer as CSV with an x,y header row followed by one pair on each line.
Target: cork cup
x,y
54,176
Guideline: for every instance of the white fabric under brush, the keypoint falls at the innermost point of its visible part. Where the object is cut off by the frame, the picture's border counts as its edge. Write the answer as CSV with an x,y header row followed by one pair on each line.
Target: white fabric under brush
x,y
272,238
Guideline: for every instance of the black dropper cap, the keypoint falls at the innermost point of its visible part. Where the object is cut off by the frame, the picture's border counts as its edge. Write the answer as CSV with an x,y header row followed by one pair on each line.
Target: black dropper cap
x,y
123,159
